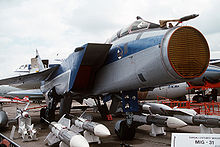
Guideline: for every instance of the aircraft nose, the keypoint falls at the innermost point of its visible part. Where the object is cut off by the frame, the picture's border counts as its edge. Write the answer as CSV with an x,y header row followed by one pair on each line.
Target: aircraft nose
x,y
188,56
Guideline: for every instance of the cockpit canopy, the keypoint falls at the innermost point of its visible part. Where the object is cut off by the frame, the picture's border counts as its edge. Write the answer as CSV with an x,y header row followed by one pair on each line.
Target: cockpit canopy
x,y
136,26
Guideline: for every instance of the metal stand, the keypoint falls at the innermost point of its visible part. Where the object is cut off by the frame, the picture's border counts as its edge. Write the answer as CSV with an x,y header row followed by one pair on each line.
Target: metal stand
x,y
205,130
26,129
65,104
155,130
62,144
12,132
91,138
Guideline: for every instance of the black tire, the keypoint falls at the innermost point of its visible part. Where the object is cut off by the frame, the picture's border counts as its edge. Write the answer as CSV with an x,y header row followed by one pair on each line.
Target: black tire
x,y
198,98
183,98
210,98
125,132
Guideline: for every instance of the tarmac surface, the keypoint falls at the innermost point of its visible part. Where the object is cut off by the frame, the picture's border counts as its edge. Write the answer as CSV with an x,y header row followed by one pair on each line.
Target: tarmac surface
x,y
142,137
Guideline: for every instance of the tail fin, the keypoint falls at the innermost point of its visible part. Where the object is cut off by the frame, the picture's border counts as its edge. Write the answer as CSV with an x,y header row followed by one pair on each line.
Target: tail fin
x,y
36,63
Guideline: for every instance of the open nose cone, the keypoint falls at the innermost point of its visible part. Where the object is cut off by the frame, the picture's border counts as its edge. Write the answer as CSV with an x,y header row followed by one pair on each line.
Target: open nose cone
x,y
78,141
101,131
173,122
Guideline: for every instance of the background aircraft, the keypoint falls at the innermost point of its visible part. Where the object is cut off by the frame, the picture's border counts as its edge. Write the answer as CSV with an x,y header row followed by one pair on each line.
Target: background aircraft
x,y
4,89
33,94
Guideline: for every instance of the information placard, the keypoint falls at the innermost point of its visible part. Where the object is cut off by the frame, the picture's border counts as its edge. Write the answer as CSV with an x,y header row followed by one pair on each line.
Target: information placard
x,y
195,140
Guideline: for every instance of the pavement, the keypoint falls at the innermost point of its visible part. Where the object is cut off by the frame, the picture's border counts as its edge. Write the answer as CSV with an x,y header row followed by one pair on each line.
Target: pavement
x,y
141,139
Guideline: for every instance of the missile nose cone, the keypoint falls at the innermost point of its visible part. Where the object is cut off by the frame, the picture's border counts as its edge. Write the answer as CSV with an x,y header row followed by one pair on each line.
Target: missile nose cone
x,y
146,107
101,131
78,141
173,122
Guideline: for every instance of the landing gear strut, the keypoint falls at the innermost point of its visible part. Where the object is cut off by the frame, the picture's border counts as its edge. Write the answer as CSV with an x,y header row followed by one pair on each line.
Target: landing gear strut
x,y
125,129
49,112
65,104
103,109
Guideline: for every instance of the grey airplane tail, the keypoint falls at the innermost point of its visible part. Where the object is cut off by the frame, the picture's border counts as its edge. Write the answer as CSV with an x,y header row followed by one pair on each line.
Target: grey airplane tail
x,y
36,63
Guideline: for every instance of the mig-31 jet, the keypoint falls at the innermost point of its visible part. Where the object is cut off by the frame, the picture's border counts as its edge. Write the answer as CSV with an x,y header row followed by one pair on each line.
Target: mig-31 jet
x,y
142,56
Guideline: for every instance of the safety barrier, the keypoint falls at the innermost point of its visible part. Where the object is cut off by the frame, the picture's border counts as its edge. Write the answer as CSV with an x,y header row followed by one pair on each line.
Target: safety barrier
x,y
5,141
207,108
172,103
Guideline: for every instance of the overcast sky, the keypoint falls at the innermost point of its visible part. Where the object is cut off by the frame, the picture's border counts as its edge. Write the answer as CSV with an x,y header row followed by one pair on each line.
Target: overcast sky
x,y
59,26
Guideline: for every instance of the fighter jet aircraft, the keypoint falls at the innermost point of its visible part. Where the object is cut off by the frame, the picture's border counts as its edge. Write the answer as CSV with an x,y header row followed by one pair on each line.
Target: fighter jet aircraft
x,y
34,94
143,55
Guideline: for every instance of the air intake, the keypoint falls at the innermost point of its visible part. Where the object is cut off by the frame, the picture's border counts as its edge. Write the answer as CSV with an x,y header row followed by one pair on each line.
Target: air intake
x,y
188,52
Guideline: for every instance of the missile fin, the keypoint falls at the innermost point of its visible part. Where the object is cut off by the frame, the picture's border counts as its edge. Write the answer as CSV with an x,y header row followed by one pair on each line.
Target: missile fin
x,y
76,129
64,121
51,139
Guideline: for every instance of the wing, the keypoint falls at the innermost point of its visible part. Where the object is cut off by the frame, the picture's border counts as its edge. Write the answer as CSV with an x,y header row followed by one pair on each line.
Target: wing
x,y
29,81
77,72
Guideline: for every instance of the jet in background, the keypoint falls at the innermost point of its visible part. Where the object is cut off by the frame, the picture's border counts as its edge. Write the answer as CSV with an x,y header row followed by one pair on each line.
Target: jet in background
x,y
4,89
143,55
33,94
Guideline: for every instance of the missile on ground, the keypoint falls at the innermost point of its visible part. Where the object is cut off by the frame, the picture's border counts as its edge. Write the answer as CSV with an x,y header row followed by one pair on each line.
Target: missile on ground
x,y
126,131
155,108
73,139
96,128
207,120
189,116
160,121
60,132
3,119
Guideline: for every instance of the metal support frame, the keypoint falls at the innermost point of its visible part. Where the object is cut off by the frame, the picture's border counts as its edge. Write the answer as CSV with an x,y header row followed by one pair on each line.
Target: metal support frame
x,y
155,130
205,130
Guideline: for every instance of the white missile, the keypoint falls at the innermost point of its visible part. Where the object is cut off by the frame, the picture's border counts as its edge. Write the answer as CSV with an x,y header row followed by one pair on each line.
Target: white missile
x,y
92,131
189,116
126,131
101,131
78,141
160,121
98,129
173,122
60,131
